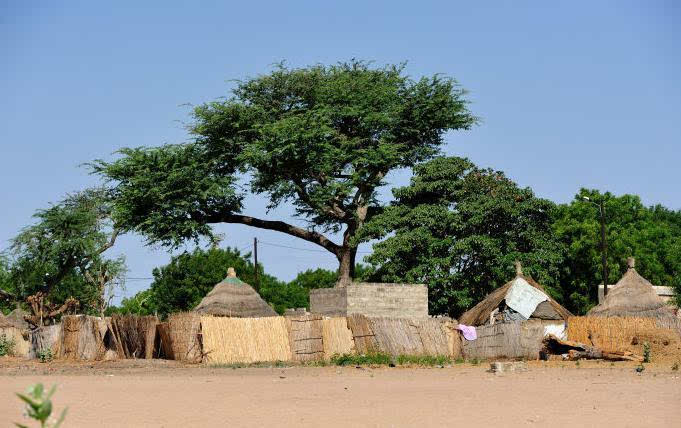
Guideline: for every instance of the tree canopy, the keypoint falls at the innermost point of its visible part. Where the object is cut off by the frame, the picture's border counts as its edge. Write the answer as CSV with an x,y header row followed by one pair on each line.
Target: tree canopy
x,y
322,138
54,261
650,234
181,284
459,228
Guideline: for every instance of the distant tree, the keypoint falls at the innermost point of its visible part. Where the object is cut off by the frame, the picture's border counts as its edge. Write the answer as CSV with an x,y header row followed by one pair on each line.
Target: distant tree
x,y
458,229
322,137
315,278
650,234
7,291
181,284
52,258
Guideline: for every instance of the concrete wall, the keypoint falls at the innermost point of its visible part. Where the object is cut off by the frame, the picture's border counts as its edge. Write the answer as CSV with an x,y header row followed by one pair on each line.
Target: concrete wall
x,y
372,299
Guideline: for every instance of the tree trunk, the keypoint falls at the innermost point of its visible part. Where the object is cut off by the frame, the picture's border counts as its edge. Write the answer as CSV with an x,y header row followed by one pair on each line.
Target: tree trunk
x,y
346,269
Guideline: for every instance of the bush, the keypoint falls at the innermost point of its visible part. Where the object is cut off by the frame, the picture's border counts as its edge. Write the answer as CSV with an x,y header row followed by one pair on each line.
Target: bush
x,y
45,355
646,352
6,346
424,360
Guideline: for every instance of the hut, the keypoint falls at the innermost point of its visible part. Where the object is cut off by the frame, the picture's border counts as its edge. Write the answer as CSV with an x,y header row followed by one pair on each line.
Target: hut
x,y
512,321
633,296
234,298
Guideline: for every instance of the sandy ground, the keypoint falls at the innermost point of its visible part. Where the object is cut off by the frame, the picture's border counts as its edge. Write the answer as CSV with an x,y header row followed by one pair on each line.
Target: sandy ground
x,y
164,394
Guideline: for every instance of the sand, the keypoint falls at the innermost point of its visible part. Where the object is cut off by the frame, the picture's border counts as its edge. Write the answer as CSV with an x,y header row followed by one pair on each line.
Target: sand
x,y
165,394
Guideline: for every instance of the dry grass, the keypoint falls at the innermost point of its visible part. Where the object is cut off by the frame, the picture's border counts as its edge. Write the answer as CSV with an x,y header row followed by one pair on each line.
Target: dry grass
x,y
136,335
88,338
397,336
362,334
245,340
615,334
337,337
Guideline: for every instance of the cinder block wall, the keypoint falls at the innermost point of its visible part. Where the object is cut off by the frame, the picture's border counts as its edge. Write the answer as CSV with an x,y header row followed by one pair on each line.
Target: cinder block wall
x,y
372,299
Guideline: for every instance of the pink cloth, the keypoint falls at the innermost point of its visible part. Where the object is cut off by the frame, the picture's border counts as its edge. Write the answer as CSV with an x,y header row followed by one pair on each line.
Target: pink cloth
x,y
468,331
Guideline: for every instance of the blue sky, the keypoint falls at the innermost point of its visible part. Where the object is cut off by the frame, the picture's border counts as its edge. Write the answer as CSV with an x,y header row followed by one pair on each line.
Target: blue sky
x,y
582,94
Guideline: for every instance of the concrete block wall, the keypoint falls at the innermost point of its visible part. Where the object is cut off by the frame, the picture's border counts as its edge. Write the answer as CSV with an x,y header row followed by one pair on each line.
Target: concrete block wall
x,y
372,299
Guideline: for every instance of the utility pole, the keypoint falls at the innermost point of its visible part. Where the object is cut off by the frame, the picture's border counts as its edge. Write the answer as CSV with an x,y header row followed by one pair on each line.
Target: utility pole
x,y
604,243
255,257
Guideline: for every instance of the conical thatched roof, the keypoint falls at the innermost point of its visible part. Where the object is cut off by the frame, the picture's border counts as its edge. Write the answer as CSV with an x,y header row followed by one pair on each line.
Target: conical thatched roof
x,y
234,298
480,313
632,296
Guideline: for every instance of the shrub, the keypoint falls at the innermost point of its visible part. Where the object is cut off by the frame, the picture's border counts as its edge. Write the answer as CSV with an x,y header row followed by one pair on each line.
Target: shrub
x,y
424,360
39,406
6,346
45,355
646,352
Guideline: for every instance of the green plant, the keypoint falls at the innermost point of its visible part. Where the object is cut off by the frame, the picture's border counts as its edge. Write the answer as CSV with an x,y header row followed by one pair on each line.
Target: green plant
x,y
377,358
6,345
45,355
39,406
577,364
459,360
474,361
424,360
646,352
675,366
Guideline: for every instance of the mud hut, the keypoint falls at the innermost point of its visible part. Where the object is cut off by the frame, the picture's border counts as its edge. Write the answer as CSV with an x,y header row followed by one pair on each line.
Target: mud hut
x,y
512,321
634,296
234,298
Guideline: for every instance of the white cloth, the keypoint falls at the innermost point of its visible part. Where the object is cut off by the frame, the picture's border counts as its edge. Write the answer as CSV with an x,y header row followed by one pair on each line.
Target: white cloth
x,y
557,330
524,298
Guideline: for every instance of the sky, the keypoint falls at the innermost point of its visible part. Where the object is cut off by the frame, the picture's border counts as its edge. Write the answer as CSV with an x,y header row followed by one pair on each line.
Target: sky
x,y
570,94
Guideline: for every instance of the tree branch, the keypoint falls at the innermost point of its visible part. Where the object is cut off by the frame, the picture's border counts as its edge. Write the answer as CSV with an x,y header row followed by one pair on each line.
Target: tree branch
x,y
279,226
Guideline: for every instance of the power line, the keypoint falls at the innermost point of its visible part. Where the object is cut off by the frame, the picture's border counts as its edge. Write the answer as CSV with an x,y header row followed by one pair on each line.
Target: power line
x,y
304,249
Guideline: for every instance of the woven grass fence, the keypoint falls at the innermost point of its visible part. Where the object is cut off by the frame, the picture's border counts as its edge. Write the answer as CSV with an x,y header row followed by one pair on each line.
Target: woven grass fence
x,y
245,340
21,339
180,337
617,334
362,334
136,335
46,337
516,340
88,338
336,337
306,337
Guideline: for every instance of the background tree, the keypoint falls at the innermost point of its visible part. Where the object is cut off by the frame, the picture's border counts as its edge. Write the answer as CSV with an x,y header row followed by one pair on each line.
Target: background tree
x,y
322,138
51,258
181,284
7,291
458,229
650,234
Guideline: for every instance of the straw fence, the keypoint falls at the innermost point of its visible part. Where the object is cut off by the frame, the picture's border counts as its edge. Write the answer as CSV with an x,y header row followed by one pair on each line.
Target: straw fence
x,y
245,340
362,334
306,337
22,344
521,340
617,334
83,338
182,335
46,337
337,337
136,335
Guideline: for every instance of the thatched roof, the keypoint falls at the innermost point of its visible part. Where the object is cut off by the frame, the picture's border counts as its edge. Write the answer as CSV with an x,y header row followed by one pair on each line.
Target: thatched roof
x,y
234,298
479,314
632,296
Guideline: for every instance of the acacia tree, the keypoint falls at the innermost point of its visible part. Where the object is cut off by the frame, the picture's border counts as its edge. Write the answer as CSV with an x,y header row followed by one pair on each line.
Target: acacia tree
x,y
321,137
51,258
459,228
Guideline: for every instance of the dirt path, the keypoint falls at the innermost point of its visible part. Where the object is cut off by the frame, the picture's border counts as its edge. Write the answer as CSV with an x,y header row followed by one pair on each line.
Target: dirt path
x,y
111,396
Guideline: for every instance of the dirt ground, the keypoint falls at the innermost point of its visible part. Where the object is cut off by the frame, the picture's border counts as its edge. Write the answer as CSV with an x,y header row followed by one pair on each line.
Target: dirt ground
x,y
166,394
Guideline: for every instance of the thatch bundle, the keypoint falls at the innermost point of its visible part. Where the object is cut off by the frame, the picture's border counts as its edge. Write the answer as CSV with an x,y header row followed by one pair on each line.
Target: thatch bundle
x,y
622,334
634,296
362,334
234,298
136,334
306,337
180,337
337,337
88,338
46,337
245,340
507,340
435,336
